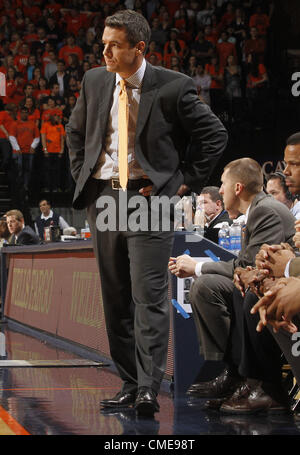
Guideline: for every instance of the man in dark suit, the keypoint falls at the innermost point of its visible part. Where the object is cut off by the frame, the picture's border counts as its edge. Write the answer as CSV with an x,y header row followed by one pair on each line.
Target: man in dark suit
x,y
225,328
212,203
165,117
20,234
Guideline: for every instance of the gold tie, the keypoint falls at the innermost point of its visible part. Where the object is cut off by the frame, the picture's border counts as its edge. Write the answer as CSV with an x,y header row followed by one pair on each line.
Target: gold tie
x,y
123,135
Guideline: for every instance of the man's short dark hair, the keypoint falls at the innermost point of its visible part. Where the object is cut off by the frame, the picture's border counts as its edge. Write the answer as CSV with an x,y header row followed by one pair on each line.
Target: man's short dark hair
x,y
294,139
213,191
136,26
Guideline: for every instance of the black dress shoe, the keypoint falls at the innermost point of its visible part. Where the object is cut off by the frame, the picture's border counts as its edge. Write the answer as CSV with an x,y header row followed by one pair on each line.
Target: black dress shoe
x,y
222,386
251,399
146,403
121,400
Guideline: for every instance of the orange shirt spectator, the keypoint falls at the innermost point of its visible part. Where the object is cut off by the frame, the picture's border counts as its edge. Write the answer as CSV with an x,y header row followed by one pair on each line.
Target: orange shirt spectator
x,y
5,121
33,12
216,73
53,134
259,78
25,132
224,49
47,113
54,9
260,21
75,21
68,49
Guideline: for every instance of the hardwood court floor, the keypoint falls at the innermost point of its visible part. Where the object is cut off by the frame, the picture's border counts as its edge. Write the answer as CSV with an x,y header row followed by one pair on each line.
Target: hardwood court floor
x,y
64,400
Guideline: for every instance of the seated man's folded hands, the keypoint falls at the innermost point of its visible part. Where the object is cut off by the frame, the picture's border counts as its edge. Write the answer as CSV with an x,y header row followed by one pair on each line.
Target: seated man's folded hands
x,y
182,266
274,258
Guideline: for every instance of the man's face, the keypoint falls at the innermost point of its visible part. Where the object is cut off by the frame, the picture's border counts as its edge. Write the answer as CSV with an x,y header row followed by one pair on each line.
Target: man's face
x,y
275,189
44,207
230,199
24,116
292,169
120,57
14,226
211,208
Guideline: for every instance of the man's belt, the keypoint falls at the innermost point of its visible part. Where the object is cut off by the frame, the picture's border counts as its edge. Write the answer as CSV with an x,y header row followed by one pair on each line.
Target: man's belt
x,y
131,184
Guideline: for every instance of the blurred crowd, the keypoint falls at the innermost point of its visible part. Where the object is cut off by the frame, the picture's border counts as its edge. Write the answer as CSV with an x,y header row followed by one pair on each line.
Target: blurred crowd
x,y
46,47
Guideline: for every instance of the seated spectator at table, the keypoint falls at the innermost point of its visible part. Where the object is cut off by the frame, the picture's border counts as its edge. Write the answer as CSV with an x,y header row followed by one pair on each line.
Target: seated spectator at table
x,y
46,217
276,186
253,360
20,234
4,232
211,202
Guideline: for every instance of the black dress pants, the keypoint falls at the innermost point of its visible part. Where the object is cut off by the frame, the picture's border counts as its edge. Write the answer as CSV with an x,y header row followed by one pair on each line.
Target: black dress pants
x,y
133,270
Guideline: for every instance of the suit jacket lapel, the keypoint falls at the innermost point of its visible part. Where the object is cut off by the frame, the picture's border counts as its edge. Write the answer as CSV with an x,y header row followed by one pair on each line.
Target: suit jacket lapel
x,y
148,93
105,94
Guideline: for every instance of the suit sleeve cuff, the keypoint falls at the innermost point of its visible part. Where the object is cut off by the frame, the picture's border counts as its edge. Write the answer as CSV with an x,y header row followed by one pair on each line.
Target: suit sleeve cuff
x,y
287,269
198,269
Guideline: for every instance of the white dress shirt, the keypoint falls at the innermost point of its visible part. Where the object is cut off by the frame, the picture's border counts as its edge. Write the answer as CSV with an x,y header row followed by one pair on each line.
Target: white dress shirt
x,y
108,165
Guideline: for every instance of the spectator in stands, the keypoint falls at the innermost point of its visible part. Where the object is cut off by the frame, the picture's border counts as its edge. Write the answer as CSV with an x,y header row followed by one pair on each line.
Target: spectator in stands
x,y
202,49
87,46
158,34
192,66
54,93
276,186
203,17
33,112
54,33
53,141
174,47
255,45
71,101
224,49
21,58
260,21
70,48
20,234
211,202
225,330
256,91
216,73
37,73
74,68
38,46
51,67
6,121
24,138
233,88
60,77
152,50
4,232
50,109
48,217
203,83
42,90
72,88
32,63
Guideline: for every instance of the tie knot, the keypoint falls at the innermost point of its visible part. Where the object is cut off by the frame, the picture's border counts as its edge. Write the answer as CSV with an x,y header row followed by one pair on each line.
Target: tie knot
x,y
122,84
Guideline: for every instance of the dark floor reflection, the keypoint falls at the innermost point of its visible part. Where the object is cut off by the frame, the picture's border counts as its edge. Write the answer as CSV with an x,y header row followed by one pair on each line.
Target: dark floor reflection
x,y
65,400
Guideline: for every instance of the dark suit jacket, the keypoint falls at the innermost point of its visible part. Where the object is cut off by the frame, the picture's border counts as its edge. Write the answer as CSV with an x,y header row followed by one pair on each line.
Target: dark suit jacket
x,y
269,221
26,237
211,231
171,118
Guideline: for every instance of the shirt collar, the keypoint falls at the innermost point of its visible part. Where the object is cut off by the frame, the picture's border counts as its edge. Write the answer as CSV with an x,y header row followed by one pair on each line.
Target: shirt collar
x,y
247,214
136,79
48,216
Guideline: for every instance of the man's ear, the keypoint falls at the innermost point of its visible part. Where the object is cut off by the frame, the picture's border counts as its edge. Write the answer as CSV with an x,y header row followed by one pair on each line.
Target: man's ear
x,y
239,188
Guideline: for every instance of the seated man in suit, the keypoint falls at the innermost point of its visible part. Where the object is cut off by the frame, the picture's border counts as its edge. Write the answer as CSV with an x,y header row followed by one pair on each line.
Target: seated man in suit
x,y
21,234
253,360
211,202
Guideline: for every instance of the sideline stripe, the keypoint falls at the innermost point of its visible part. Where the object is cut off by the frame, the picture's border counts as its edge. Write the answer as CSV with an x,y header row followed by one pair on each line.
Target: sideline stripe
x,y
9,421
59,388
